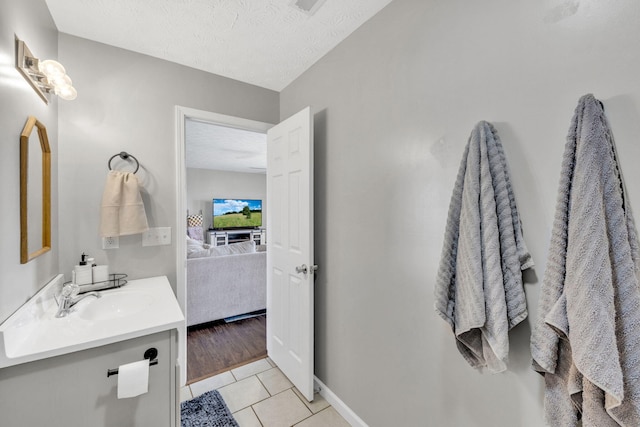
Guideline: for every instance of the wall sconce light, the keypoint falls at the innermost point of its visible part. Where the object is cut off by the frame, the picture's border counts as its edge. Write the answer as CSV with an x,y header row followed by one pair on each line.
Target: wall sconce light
x,y
46,76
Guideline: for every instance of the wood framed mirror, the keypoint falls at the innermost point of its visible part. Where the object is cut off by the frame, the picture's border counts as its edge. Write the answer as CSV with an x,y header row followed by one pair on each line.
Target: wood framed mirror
x,y
35,191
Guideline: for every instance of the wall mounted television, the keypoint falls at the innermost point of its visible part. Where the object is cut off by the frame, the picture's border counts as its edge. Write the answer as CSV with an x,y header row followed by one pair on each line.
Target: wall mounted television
x,y
229,214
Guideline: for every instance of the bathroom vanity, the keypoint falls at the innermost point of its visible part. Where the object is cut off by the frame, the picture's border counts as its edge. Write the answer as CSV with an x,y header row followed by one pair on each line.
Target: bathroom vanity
x,y
60,371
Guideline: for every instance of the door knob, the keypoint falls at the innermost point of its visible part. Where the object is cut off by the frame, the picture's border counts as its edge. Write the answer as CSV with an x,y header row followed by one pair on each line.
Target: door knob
x,y
304,269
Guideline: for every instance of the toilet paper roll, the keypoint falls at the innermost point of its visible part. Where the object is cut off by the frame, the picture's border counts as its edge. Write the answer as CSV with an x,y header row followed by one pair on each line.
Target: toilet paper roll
x,y
133,379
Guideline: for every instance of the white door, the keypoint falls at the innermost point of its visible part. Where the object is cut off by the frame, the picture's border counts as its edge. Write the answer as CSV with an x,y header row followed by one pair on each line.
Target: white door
x,y
290,264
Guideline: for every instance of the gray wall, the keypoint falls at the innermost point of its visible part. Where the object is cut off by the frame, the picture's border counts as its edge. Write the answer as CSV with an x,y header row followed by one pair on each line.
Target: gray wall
x,y
203,185
126,103
30,21
395,104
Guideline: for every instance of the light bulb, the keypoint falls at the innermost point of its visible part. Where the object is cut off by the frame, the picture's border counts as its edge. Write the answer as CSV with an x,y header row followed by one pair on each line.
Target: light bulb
x,y
63,80
66,92
51,68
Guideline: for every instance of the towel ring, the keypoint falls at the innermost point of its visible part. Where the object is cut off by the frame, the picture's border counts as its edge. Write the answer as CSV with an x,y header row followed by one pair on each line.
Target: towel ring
x,y
124,156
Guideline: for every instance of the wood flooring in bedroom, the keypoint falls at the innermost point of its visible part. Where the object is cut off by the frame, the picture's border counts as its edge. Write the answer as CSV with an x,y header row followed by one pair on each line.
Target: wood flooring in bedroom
x,y
218,346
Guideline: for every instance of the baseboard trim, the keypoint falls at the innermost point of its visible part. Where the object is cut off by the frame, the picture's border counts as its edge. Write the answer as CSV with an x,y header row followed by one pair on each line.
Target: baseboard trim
x,y
346,412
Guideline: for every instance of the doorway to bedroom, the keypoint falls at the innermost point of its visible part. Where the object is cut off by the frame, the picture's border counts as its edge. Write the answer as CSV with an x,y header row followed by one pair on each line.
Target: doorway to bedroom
x,y
225,181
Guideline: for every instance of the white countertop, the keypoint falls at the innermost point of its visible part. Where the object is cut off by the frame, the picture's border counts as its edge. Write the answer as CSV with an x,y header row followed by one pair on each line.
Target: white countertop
x,y
141,307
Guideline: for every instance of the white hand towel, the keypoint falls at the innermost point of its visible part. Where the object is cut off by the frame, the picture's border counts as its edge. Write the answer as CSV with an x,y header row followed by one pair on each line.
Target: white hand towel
x,y
122,210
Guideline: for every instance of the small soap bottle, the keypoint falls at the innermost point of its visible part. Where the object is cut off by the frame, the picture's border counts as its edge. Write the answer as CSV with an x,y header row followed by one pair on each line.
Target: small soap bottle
x,y
82,272
91,263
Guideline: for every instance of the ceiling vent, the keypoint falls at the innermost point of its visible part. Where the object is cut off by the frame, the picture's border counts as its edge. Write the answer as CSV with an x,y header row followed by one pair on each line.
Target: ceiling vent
x,y
308,6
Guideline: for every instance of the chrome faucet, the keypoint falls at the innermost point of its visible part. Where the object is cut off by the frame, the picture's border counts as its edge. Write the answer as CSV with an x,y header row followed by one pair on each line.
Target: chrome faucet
x,y
68,298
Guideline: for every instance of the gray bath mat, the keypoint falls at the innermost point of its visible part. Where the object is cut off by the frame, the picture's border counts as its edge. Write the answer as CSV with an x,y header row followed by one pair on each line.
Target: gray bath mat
x,y
206,410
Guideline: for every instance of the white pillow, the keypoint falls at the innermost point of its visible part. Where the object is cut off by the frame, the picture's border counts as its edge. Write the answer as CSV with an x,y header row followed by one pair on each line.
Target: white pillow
x,y
194,246
234,248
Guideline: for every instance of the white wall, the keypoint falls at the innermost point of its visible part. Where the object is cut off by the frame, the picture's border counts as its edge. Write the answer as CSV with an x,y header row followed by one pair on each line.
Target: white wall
x,y
126,102
30,21
395,104
204,185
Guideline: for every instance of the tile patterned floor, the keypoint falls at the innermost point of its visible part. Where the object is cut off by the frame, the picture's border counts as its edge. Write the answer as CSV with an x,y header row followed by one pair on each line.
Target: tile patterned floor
x,y
259,395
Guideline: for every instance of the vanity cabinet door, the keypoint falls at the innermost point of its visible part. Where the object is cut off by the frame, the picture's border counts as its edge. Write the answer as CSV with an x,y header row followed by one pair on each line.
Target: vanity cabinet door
x,y
73,390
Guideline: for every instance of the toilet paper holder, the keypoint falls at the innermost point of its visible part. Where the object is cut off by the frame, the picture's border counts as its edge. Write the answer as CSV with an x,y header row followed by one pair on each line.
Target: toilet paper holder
x,y
151,354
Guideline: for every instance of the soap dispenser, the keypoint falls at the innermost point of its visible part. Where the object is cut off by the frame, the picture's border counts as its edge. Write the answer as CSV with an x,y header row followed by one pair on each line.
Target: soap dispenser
x,y
81,274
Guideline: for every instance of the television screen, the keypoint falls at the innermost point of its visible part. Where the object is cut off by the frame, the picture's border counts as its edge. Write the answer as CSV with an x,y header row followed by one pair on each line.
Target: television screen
x,y
237,213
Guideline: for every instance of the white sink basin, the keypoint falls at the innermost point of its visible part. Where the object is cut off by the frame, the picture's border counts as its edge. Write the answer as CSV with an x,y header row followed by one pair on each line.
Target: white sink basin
x,y
141,307
113,305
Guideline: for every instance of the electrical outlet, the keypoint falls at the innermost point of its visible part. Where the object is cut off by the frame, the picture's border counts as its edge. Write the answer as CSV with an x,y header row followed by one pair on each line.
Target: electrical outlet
x,y
110,242
157,236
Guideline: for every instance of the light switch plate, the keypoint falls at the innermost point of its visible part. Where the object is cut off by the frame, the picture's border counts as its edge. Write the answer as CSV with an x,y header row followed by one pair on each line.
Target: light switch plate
x,y
157,236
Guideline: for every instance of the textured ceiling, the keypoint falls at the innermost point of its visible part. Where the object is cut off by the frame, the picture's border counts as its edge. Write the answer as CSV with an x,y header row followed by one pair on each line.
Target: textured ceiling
x,y
216,147
268,43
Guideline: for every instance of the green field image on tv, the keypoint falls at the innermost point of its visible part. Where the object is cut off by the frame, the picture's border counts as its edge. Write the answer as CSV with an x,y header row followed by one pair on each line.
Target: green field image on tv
x,y
237,213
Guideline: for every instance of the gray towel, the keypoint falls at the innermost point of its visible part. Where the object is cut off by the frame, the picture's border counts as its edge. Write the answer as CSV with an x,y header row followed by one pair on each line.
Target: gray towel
x,y
586,341
479,289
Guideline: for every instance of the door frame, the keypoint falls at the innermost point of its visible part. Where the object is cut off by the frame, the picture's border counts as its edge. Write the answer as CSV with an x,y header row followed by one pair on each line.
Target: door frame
x,y
181,114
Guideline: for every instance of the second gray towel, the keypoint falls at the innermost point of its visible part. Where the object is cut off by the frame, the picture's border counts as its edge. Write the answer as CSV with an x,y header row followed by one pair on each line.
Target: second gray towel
x,y
586,340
